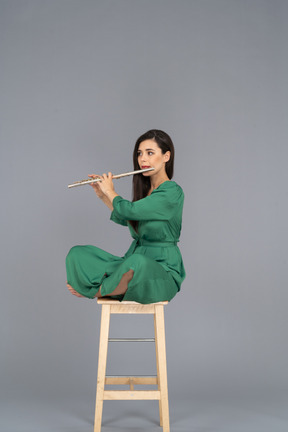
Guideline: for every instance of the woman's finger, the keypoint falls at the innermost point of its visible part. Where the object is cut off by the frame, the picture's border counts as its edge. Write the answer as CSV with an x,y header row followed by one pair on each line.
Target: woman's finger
x,y
94,175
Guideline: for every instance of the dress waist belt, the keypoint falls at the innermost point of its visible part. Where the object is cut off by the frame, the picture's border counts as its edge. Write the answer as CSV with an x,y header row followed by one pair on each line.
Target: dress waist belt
x,y
146,243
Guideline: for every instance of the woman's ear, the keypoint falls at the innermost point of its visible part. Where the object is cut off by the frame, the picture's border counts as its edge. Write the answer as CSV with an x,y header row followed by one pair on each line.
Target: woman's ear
x,y
167,156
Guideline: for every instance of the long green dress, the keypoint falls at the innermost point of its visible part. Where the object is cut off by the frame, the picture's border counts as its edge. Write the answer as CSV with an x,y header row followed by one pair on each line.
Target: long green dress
x,y
153,255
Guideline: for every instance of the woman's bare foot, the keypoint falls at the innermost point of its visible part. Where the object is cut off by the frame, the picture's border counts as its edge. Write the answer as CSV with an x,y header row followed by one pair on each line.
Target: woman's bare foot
x,y
73,291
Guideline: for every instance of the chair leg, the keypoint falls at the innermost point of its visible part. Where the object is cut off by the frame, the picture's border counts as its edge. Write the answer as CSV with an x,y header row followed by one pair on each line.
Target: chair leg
x,y
162,366
103,348
157,363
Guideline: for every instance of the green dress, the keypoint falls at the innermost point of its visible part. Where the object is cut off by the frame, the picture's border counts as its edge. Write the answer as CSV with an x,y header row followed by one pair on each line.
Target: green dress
x,y
153,255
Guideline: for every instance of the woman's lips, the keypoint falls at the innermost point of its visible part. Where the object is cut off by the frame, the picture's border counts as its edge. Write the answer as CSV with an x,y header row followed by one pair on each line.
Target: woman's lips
x,y
145,166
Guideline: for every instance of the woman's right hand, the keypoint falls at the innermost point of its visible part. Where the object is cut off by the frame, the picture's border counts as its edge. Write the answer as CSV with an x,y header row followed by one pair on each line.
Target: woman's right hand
x,y
96,186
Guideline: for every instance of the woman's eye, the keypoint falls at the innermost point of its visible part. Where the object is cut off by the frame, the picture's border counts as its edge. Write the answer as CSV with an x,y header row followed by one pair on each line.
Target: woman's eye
x,y
150,153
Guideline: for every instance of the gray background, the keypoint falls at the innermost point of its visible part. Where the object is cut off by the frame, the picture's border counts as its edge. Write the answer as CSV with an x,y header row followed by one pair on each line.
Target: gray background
x,y
80,81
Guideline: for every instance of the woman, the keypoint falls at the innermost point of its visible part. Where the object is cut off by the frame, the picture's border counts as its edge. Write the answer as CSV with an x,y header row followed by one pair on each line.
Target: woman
x,y
152,269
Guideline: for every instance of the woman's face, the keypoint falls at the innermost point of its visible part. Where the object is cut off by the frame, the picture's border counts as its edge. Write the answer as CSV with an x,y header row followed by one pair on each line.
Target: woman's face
x,y
150,156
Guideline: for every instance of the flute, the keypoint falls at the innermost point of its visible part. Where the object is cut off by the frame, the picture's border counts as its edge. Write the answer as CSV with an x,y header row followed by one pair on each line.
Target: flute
x,y
89,181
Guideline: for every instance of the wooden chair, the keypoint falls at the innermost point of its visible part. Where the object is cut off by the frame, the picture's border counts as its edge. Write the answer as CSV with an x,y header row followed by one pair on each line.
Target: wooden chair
x,y
110,306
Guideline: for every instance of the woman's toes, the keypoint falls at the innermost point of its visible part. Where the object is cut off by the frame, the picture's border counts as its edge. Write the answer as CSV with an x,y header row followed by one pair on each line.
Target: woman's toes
x,y
73,291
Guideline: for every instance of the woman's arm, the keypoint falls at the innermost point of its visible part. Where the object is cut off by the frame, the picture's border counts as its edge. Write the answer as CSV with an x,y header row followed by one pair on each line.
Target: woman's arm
x,y
108,203
160,205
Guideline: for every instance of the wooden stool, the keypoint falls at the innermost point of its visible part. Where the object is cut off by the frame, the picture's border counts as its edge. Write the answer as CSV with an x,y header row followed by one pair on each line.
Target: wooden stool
x,y
110,306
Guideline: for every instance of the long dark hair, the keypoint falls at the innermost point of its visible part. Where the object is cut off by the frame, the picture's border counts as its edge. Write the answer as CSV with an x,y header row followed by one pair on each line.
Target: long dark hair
x,y
142,184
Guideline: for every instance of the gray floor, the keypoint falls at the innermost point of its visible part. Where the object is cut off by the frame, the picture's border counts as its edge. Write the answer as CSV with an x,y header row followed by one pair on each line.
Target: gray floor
x,y
265,413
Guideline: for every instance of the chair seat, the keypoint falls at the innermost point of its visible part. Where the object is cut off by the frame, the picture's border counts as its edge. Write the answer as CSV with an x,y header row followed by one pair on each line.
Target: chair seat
x,y
109,301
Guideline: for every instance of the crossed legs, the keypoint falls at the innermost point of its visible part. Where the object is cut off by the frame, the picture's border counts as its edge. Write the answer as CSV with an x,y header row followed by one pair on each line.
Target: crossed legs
x,y
120,289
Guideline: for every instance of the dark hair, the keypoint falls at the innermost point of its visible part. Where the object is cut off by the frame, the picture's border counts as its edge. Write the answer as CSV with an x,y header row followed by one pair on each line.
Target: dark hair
x,y
141,184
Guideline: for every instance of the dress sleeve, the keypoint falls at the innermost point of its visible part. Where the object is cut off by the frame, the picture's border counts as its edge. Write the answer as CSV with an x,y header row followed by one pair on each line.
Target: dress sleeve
x,y
118,220
160,205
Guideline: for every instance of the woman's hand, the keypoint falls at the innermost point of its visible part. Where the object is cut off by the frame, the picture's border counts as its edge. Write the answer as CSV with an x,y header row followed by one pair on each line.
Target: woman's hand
x,y
96,186
105,188
106,185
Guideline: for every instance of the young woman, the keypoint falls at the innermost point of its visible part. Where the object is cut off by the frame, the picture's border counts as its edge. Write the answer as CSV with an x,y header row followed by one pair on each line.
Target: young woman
x,y
152,269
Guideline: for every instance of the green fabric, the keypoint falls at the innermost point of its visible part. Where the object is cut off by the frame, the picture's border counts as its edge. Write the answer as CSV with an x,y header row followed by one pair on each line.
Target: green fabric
x,y
153,255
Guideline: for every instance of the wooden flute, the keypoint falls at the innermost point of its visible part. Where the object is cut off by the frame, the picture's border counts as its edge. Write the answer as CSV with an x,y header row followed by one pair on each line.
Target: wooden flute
x,y
117,176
